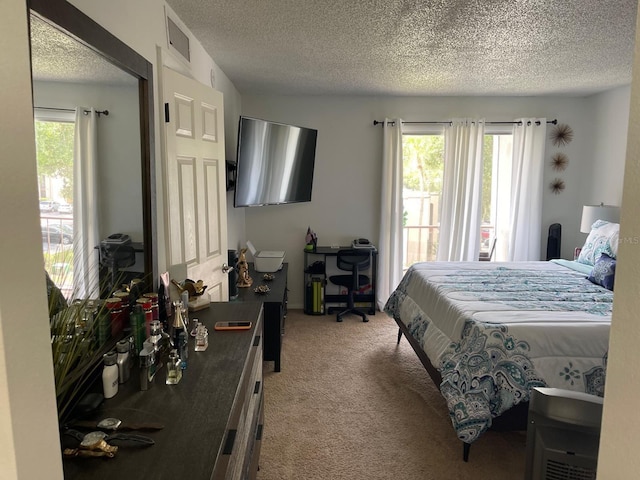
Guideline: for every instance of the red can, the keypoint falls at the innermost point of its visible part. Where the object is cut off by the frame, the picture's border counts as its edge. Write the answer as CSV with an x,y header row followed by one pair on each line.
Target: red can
x,y
116,314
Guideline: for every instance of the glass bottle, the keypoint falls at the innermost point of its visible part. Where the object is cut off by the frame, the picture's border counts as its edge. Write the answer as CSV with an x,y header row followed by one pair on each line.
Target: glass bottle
x,y
160,342
178,324
183,349
202,338
184,296
174,372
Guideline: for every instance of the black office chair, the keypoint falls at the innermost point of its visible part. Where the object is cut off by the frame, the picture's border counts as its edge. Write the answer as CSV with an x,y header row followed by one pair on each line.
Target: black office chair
x,y
113,257
352,260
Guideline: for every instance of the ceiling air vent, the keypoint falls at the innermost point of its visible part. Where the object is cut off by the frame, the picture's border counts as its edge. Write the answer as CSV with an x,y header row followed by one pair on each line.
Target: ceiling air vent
x,y
178,40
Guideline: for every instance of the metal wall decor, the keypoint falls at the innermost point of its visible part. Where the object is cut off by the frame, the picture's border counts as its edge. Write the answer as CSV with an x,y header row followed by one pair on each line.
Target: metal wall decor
x,y
559,161
557,186
561,135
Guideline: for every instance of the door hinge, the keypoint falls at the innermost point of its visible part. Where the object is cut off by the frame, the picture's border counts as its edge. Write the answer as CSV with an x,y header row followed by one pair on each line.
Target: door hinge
x,y
166,113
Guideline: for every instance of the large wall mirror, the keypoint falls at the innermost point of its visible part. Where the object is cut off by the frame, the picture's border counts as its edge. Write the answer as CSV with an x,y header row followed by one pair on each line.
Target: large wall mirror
x,y
77,66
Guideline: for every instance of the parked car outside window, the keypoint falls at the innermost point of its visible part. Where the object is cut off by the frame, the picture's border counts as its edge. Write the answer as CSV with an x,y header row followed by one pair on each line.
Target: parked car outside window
x,y
57,234
49,206
65,208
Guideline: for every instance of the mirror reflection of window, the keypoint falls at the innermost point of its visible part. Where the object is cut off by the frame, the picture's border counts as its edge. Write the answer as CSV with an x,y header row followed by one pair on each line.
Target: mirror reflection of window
x,y
108,195
54,146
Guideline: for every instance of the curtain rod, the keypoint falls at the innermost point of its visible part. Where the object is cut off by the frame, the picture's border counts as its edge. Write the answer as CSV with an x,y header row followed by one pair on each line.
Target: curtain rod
x,y
86,112
377,122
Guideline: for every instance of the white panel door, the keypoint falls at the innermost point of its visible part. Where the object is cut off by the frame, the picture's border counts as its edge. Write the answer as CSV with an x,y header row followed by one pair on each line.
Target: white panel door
x,y
195,181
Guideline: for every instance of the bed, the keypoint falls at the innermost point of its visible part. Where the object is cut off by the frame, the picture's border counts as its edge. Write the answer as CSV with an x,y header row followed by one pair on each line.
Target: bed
x,y
488,332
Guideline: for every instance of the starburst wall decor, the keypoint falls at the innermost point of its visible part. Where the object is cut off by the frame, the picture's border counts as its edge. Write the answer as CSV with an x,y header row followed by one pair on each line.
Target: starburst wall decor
x,y
561,135
557,186
559,162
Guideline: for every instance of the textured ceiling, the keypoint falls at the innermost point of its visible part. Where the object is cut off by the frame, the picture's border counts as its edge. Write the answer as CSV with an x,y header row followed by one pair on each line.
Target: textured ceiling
x,y
412,47
57,57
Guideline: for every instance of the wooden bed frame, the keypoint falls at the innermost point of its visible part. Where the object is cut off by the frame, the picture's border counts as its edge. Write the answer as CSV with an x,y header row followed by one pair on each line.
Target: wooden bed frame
x,y
513,419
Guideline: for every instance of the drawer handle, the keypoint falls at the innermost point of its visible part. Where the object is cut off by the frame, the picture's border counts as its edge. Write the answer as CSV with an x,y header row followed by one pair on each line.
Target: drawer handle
x,y
259,432
228,444
256,389
256,340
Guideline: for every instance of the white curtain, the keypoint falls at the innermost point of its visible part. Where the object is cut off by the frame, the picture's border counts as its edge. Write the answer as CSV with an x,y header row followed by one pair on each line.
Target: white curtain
x,y
390,249
85,205
529,136
460,212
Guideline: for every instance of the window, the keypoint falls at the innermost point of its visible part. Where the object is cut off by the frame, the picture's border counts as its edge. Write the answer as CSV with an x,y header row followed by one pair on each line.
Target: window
x,y
423,168
54,150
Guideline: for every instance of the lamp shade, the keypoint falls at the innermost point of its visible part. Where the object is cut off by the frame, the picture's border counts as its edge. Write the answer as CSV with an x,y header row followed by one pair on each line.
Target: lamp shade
x,y
591,213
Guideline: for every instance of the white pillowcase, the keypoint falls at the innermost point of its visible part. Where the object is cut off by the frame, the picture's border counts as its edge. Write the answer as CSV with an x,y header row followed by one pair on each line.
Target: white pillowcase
x,y
603,238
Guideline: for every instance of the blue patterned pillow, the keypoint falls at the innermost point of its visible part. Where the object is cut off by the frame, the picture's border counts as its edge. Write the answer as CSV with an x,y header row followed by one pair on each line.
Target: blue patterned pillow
x,y
603,238
604,272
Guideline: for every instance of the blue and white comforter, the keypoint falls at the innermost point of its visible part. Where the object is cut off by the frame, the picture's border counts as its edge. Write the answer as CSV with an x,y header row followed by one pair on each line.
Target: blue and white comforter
x,y
496,330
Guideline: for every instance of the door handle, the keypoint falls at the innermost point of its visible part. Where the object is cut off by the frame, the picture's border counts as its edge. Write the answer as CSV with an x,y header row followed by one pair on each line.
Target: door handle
x,y
226,268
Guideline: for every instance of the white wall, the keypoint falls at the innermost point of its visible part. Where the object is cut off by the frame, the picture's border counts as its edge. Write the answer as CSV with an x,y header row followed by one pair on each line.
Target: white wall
x,y
29,441
119,163
618,456
345,201
611,123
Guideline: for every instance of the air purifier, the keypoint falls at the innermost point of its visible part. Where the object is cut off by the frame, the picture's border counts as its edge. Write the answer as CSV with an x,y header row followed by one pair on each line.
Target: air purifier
x,y
563,434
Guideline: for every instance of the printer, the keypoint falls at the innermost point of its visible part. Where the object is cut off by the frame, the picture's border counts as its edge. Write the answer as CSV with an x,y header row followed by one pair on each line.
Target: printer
x,y
266,260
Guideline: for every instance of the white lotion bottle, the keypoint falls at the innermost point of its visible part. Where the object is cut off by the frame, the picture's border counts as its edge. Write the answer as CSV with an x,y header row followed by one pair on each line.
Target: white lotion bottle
x,y
110,375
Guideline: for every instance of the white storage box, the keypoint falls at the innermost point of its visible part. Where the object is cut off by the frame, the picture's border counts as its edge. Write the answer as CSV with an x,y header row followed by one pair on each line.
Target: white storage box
x,y
265,260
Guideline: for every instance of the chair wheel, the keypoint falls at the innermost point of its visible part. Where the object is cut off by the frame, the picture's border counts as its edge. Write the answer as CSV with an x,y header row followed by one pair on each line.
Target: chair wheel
x,y
365,319
339,319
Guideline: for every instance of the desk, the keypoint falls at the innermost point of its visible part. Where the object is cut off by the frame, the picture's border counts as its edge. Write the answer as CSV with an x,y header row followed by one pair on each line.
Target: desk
x,y
318,296
275,309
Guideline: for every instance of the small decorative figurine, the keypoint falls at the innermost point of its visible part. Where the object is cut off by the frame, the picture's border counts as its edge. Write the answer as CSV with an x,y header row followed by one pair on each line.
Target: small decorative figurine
x,y
312,240
244,280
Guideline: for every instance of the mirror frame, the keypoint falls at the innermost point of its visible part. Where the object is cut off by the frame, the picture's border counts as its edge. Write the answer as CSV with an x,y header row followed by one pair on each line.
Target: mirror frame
x,y
64,16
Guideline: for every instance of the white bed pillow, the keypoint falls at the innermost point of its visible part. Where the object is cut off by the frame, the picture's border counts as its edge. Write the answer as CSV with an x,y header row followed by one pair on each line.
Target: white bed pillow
x,y
603,238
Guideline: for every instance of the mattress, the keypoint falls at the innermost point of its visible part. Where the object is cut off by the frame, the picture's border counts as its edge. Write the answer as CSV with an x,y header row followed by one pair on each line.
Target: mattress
x,y
495,330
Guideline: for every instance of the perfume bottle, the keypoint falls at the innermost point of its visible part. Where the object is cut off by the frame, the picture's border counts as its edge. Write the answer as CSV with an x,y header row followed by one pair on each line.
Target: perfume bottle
x,y
161,342
178,325
183,344
174,370
202,338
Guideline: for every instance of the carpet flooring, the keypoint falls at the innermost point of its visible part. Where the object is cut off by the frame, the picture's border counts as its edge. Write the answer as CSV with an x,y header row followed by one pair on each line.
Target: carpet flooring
x,y
350,403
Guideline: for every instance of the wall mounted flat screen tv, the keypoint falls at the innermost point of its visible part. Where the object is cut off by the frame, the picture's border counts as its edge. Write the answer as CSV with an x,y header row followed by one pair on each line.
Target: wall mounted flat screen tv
x,y
274,163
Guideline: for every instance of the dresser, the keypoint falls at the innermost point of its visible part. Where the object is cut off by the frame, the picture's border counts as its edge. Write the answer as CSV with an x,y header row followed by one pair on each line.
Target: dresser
x,y
275,309
213,418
